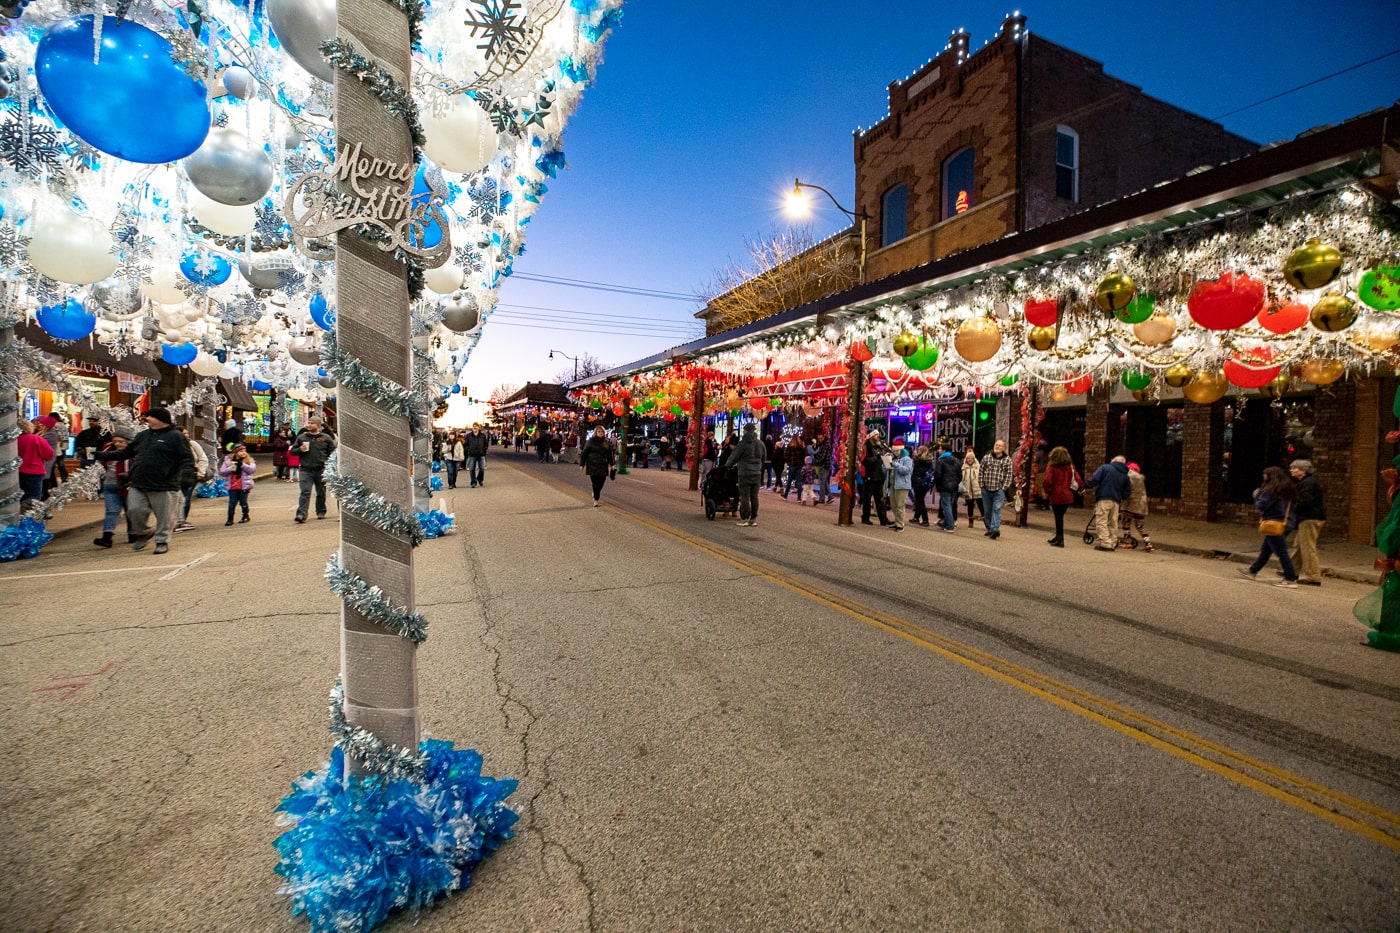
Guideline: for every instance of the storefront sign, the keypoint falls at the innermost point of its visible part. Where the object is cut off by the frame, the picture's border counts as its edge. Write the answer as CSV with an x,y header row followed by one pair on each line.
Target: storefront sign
x,y
80,367
955,423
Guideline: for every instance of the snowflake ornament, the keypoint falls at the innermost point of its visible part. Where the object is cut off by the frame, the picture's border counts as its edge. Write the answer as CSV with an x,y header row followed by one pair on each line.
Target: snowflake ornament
x,y
501,26
32,149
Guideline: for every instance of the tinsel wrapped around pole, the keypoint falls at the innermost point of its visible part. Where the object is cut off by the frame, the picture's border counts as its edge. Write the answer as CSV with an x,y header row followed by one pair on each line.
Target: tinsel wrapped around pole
x,y
855,436
697,431
379,668
9,428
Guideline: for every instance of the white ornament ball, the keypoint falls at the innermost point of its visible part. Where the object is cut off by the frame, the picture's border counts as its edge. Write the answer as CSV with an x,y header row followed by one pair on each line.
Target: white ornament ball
x,y
239,82
462,138
68,248
305,351
206,364
444,279
164,289
226,219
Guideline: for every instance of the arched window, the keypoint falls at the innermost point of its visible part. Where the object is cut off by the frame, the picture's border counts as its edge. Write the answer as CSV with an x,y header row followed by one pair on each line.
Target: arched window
x,y
894,215
1066,164
959,177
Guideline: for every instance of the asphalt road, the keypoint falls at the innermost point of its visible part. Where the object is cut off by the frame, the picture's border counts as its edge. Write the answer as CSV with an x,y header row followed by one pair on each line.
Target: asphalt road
x,y
790,727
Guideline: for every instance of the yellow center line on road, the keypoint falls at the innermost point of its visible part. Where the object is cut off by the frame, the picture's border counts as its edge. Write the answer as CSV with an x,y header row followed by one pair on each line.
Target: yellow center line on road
x,y
1309,796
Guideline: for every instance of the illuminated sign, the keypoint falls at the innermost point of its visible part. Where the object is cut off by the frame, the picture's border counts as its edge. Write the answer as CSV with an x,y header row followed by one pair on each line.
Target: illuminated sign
x,y
962,203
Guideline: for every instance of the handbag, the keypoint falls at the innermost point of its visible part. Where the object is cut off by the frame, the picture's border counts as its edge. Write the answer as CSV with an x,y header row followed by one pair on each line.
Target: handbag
x,y
1074,484
1271,527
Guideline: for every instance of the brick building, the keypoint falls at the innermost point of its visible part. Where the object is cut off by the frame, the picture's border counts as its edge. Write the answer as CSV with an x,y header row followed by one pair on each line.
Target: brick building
x,y
1021,133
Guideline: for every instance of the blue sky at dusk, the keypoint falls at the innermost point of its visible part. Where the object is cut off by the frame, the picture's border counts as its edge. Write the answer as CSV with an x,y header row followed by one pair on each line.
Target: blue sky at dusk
x,y
703,113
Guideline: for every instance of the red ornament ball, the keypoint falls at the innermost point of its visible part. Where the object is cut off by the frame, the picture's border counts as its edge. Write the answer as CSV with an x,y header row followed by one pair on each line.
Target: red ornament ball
x,y
1243,369
1080,384
1042,312
1283,318
1225,303
861,352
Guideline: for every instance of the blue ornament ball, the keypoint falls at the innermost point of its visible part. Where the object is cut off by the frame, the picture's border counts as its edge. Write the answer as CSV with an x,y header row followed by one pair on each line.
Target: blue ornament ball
x,y
136,103
67,321
180,354
422,194
456,390
215,268
322,312
257,385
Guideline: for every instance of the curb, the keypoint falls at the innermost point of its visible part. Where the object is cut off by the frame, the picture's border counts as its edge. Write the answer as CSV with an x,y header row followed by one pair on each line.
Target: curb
x,y
1336,573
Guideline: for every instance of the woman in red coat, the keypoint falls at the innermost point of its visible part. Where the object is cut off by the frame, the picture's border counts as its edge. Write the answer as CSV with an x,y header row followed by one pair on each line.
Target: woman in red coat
x,y
35,454
281,443
1060,479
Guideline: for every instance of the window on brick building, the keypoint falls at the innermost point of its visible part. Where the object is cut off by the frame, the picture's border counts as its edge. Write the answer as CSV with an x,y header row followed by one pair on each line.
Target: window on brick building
x,y
1066,164
1262,434
959,175
894,215
1151,436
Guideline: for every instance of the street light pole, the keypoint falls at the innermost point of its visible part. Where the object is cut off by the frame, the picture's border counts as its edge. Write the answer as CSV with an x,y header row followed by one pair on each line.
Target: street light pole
x,y
567,357
861,216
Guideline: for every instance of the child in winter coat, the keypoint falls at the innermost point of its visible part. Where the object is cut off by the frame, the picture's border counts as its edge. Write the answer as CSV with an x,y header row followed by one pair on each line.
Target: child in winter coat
x,y
239,468
807,479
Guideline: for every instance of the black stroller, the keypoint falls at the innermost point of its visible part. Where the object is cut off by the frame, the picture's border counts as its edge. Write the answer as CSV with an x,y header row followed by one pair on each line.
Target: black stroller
x,y
1091,532
720,491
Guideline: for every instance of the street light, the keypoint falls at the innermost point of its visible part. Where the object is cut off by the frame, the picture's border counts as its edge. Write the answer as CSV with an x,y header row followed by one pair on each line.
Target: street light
x,y
567,357
799,206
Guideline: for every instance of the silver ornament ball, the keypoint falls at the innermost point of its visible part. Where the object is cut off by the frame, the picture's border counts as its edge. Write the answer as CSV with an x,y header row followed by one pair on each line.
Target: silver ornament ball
x,y
230,168
301,26
305,350
461,314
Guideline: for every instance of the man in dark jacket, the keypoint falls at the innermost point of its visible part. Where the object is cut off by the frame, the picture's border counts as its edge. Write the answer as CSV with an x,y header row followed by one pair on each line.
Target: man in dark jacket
x,y
160,457
821,459
1312,515
597,458
315,447
748,458
947,477
1112,486
475,445
872,489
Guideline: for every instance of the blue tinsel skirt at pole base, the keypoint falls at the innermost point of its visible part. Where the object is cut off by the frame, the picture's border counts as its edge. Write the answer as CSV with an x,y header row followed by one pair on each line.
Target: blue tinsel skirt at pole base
x,y
360,848
25,538
214,489
435,523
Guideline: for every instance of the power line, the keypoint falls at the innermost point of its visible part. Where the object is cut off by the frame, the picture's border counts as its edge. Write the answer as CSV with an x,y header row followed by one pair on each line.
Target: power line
x,y
1300,87
579,330
606,287
625,324
591,314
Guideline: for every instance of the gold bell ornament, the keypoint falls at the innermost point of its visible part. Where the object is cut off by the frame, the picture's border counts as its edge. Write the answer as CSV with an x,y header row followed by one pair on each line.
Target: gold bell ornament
x,y
906,344
1278,386
1114,292
1177,375
1206,386
1323,372
1313,265
1333,313
1041,338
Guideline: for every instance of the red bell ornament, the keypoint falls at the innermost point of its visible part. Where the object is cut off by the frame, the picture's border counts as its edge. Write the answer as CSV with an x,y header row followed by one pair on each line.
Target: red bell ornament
x,y
1042,312
1225,303
1244,368
1283,318
1079,384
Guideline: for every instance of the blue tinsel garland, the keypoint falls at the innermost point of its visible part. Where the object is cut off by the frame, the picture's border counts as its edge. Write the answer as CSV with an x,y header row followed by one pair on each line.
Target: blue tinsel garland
x,y
435,483
25,537
435,523
437,466
216,488
360,848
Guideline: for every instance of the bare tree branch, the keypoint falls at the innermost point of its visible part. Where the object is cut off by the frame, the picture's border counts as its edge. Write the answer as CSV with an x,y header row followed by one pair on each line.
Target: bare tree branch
x,y
783,269
588,365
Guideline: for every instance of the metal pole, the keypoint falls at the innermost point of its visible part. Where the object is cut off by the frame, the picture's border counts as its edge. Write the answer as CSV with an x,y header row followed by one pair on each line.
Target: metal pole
x,y
854,424
9,422
697,431
379,668
622,433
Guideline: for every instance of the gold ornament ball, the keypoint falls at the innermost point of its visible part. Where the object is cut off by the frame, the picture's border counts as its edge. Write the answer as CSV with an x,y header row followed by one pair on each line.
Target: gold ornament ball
x,y
1041,338
1206,386
1177,376
1323,372
1060,394
906,344
1377,341
977,339
1278,386
1156,330
1333,313
1114,292
1313,265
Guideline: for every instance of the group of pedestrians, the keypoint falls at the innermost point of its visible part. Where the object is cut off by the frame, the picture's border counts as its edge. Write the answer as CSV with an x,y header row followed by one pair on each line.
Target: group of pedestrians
x,y
898,477
466,451
1292,501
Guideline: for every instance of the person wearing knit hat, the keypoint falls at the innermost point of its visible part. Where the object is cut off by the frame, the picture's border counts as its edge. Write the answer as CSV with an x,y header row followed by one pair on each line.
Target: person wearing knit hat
x,y
115,487
159,458
1312,515
1133,512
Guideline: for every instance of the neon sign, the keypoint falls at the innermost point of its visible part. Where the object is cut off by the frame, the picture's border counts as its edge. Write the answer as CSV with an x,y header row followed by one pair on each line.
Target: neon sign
x,y
962,203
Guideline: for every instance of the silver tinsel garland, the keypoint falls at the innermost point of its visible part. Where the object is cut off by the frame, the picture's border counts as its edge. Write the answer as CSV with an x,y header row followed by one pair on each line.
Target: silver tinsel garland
x,y
370,507
86,482
371,602
388,761
353,376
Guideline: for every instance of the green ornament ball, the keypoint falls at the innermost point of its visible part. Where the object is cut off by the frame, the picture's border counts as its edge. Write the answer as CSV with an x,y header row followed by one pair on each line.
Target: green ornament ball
x,y
1138,310
1380,288
1010,380
1137,381
924,357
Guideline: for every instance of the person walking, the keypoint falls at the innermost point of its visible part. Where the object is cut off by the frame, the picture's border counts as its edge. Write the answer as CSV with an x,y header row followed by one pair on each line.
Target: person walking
x,y
56,433
239,468
281,443
808,479
821,461
1134,509
597,459
901,484
1061,480
793,456
232,436
115,486
748,458
456,453
994,475
193,476
542,443
35,455
923,482
89,441
1277,502
972,486
772,462
1312,515
1111,488
475,445
947,478
872,489
314,447
160,458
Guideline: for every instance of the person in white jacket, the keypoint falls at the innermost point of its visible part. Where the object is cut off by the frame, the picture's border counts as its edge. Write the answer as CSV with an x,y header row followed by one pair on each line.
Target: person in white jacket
x,y
201,470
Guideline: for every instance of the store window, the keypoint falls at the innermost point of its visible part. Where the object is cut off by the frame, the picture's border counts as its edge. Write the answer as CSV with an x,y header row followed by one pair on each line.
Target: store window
x,y
1150,436
894,215
1066,164
958,178
1262,434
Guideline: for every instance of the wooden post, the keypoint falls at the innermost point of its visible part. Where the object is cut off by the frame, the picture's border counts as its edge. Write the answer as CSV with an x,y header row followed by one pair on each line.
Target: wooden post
x,y
379,668
855,422
697,431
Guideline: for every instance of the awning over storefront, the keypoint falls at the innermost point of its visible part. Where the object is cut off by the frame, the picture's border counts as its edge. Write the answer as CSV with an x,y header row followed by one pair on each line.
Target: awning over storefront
x,y
84,351
238,395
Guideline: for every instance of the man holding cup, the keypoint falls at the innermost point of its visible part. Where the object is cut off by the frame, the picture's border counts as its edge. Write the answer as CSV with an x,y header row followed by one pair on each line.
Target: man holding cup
x,y
314,447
